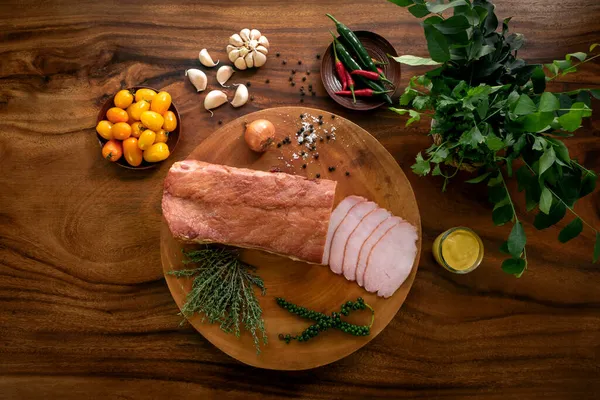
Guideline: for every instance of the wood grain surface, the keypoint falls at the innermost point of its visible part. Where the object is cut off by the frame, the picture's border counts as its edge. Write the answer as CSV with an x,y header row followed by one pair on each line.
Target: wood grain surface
x,y
84,310
374,175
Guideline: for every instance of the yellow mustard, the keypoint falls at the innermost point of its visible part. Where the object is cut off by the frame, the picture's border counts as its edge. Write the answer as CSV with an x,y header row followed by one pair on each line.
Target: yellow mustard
x,y
459,250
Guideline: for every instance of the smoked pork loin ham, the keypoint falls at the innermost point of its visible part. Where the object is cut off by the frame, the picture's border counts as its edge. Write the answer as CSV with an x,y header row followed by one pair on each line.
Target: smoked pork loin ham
x,y
368,244
275,212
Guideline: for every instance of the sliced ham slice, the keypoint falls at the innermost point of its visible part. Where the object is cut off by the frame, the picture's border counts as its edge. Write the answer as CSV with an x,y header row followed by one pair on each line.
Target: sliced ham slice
x,y
336,218
356,239
373,238
343,232
391,259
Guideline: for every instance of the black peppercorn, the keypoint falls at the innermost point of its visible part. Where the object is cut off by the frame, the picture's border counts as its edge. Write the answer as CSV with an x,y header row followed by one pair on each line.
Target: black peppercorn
x,y
318,175
320,117
277,54
321,140
251,98
301,93
278,144
303,79
290,79
328,137
248,84
316,156
308,72
293,71
301,100
267,81
293,83
287,139
299,62
332,116
220,122
314,93
318,56
284,62
304,166
301,116
347,173
320,122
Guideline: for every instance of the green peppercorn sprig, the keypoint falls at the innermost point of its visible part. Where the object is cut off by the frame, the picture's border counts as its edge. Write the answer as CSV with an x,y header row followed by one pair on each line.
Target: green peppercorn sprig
x,y
323,321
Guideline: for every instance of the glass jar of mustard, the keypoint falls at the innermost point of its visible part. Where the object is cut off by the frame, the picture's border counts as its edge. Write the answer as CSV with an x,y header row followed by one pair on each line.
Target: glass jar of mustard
x,y
459,250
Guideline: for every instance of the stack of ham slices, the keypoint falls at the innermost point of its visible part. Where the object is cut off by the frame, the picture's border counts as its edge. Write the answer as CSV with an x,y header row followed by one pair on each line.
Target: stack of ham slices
x,y
369,245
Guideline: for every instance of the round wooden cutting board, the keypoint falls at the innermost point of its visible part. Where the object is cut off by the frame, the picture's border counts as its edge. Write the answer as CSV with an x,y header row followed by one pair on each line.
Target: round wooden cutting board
x,y
374,174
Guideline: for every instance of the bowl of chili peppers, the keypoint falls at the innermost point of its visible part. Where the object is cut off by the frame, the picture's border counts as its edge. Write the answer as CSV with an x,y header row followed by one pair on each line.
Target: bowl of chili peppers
x,y
355,69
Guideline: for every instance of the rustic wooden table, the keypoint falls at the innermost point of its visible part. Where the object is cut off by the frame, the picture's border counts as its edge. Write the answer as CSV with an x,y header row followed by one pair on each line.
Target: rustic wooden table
x,y
84,309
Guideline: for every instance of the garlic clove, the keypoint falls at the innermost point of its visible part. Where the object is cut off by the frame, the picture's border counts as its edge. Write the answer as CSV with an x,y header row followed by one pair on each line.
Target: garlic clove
x,y
231,48
245,34
249,59
240,63
255,34
214,99
263,41
262,49
223,74
244,51
205,59
252,44
236,40
234,55
259,59
198,79
241,96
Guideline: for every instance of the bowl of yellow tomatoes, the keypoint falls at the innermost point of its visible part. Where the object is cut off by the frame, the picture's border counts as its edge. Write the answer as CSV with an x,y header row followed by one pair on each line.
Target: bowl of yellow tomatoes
x,y
138,127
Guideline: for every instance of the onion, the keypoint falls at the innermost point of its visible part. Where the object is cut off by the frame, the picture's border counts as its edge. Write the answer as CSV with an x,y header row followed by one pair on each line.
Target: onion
x,y
259,135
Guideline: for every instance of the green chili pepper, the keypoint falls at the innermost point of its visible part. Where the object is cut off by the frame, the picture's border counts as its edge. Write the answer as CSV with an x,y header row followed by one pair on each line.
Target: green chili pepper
x,y
355,44
352,65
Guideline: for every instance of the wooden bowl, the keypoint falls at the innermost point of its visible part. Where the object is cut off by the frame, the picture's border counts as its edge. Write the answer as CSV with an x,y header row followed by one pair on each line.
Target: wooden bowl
x,y
171,141
378,48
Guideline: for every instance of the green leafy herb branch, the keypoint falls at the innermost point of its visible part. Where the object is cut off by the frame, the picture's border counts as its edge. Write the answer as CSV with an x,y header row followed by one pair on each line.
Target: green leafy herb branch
x,y
491,113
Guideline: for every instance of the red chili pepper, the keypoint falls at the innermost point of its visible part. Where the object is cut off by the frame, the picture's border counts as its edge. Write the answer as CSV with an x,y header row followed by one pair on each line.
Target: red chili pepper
x,y
340,69
362,92
351,85
374,76
380,71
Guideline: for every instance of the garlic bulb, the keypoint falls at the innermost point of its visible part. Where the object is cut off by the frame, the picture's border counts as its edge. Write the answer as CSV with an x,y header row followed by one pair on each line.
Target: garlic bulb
x,y
214,99
241,96
248,49
206,59
223,74
198,78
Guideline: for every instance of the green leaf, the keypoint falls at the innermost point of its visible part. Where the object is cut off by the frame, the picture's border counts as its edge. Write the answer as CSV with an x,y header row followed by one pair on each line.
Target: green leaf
x,y
418,10
408,96
571,231
514,266
561,150
517,240
595,93
421,102
524,105
562,64
493,142
552,68
504,248
436,44
548,102
402,3
538,121
523,178
471,138
557,212
546,160
588,184
579,55
414,60
545,200
480,178
436,170
496,194
570,121
592,47
519,145
502,215
539,143
597,248
483,107
439,8
538,78
453,25
422,166
415,116
495,181
440,155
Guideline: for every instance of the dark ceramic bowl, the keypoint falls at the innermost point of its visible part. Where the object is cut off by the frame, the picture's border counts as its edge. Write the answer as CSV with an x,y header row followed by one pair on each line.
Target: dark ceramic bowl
x,y
171,141
378,48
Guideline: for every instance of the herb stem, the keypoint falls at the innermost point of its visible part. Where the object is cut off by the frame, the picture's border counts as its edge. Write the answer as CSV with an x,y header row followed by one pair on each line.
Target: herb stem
x,y
512,205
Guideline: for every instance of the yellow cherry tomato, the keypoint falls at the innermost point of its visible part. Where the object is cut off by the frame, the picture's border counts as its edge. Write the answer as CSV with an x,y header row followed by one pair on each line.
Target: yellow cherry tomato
x,y
136,109
145,94
121,130
117,114
112,150
152,120
131,152
170,121
161,136
156,153
146,139
136,129
123,99
161,102
104,129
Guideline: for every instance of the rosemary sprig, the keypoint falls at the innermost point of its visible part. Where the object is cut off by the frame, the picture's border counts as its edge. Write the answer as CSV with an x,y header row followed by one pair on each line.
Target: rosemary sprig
x,y
223,292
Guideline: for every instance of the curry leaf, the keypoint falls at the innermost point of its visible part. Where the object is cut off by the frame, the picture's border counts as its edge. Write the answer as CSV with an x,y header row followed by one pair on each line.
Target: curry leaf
x,y
514,266
517,240
414,60
480,178
571,231
524,105
548,102
588,184
557,212
438,8
547,159
436,44
545,200
418,10
502,215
